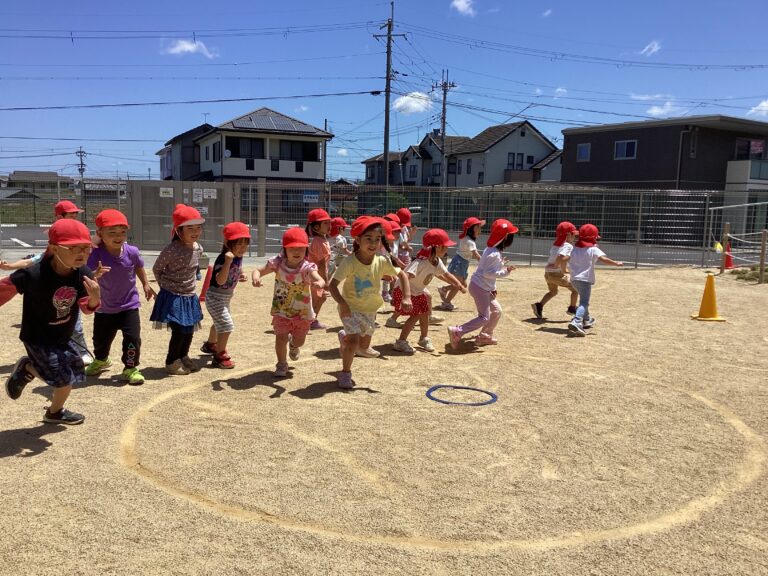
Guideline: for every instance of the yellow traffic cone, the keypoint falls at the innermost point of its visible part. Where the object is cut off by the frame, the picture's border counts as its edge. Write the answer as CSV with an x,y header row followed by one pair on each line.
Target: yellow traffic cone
x,y
708,308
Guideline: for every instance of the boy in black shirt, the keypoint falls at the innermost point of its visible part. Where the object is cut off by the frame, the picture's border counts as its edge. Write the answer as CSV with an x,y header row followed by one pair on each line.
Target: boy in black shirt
x,y
53,291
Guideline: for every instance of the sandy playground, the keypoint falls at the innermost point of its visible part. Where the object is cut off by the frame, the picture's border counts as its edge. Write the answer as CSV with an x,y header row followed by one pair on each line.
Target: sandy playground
x,y
639,449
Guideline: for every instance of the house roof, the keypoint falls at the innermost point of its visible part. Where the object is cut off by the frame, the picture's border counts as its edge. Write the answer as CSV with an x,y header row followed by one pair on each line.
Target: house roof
x,y
715,122
193,133
547,161
266,120
24,176
451,142
393,157
9,193
493,134
424,153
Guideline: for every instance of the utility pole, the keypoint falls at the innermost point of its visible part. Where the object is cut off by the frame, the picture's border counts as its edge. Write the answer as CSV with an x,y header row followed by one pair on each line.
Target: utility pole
x,y
81,154
445,86
388,89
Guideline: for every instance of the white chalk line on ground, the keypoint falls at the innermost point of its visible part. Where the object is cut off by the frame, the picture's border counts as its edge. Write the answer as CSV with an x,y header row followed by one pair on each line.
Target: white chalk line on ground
x,y
744,474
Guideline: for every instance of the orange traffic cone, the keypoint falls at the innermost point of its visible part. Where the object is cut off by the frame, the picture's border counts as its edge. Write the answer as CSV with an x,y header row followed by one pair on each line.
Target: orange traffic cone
x,y
708,308
728,258
206,283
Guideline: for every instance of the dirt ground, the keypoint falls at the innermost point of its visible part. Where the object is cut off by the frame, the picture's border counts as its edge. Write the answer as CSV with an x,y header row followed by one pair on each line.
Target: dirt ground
x,y
639,449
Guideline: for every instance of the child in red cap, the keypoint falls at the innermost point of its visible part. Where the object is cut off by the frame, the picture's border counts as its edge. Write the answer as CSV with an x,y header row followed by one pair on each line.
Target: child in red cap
x,y
53,291
120,302
556,271
482,286
318,227
360,296
177,306
292,312
227,272
583,259
338,243
459,265
427,265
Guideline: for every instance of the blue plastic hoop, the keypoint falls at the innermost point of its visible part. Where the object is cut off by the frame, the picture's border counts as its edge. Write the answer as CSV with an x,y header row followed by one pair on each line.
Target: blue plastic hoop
x,y
491,400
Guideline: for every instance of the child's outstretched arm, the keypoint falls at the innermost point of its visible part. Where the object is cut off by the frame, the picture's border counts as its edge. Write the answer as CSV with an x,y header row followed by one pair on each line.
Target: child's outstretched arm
x,y
317,280
405,286
258,273
476,255
606,260
333,288
141,274
453,281
18,265
562,262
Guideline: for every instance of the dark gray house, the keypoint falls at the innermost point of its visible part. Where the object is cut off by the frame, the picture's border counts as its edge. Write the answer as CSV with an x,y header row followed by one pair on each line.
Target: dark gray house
x,y
690,153
180,158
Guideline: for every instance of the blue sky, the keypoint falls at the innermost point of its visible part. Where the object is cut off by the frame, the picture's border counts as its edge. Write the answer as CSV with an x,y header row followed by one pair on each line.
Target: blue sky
x,y
559,63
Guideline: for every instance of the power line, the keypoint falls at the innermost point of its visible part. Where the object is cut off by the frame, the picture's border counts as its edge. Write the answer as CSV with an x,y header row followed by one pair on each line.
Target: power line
x,y
58,139
154,78
176,102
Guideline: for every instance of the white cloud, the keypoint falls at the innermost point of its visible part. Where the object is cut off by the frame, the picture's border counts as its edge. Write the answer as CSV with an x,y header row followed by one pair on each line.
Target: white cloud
x,y
560,91
180,47
668,109
759,110
645,97
546,13
651,48
343,152
301,108
538,91
413,103
464,7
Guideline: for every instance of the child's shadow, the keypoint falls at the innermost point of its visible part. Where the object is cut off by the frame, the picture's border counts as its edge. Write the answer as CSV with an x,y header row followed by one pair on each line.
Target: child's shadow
x,y
466,347
25,442
560,331
320,389
263,378
541,321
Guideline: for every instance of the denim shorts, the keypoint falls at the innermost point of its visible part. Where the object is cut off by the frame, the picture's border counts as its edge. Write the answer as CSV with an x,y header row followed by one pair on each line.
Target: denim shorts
x,y
459,267
59,365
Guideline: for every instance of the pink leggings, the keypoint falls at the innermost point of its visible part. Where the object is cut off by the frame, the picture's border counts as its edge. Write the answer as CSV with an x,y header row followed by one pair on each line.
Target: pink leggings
x,y
488,312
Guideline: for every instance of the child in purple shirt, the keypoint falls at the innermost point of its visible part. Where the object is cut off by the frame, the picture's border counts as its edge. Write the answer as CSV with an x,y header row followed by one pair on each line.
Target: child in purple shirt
x,y
120,297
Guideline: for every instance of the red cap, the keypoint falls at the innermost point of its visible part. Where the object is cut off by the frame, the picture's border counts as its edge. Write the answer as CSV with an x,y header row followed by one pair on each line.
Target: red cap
x,y
361,224
295,238
67,232
500,229
65,207
588,236
388,227
393,217
468,223
111,217
339,222
405,216
184,215
235,231
563,229
436,237
317,215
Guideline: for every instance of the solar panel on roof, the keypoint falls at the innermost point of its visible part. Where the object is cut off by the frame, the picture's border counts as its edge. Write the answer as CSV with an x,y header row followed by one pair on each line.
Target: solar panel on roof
x,y
284,124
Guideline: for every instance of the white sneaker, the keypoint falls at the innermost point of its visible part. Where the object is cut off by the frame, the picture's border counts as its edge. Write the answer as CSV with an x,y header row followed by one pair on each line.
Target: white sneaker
x,y
447,306
443,290
392,323
436,320
426,343
576,329
403,346
281,370
589,323
177,368
368,353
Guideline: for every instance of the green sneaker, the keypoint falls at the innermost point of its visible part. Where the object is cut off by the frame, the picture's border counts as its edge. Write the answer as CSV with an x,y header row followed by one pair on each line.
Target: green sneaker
x,y
97,367
133,376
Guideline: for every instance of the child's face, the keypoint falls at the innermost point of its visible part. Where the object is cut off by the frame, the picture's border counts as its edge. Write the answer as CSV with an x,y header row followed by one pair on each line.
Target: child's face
x,y
239,247
190,234
70,216
113,236
476,230
441,251
324,227
570,237
72,256
370,241
295,255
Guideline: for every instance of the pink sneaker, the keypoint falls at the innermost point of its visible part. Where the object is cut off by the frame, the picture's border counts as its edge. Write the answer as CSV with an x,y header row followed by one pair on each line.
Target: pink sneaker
x,y
317,325
454,336
485,340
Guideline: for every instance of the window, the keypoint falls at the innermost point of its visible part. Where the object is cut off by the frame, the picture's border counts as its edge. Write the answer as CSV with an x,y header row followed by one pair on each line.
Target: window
x,y
297,150
458,166
747,149
370,172
583,152
469,165
452,168
299,166
529,160
519,165
217,151
412,171
249,164
274,165
480,177
206,153
510,160
436,169
522,133
625,150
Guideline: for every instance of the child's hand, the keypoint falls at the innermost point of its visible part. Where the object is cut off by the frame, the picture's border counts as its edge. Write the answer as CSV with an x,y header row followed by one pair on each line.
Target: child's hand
x,y
100,271
229,256
406,304
4,265
344,310
462,289
509,266
620,264
92,287
256,281
243,278
149,293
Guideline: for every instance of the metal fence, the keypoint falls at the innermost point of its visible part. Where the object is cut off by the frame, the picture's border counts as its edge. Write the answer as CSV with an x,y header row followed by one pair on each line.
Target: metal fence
x,y
640,227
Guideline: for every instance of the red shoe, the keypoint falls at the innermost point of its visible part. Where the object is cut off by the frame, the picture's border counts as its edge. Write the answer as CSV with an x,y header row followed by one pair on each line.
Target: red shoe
x,y
223,360
208,347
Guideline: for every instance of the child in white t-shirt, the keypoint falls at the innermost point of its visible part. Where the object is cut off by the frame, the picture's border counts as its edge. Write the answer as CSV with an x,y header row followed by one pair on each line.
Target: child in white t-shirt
x,y
556,271
582,262
459,265
338,243
420,271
